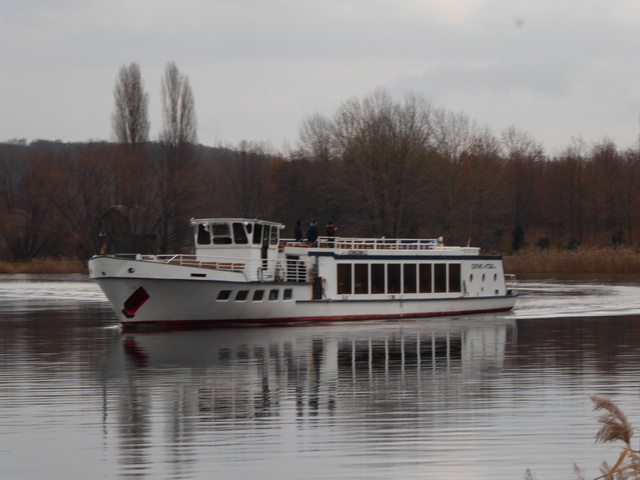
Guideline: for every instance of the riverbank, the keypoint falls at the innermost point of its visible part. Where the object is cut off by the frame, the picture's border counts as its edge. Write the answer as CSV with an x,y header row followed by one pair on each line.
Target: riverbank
x,y
44,265
567,263
586,261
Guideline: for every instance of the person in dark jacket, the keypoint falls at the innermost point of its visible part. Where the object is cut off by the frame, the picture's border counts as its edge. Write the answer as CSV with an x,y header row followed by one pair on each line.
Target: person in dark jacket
x,y
331,229
312,232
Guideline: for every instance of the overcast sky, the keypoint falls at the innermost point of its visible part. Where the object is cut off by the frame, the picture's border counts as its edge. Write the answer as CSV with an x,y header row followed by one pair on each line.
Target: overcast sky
x,y
555,69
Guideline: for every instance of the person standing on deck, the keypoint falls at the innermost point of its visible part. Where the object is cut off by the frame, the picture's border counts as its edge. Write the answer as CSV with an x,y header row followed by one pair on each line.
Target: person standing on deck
x,y
331,230
312,233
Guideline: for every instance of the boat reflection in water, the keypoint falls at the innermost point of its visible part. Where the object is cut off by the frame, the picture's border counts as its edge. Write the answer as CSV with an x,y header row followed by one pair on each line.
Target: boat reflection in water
x,y
250,373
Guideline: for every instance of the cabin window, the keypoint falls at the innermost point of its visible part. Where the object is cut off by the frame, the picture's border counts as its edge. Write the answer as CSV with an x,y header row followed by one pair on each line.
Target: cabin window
x,y
377,278
224,294
409,278
221,233
344,278
241,296
393,278
424,272
204,238
361,278
454,277
288,294
239,234
273,238
273,294
258,295
440,277
257,234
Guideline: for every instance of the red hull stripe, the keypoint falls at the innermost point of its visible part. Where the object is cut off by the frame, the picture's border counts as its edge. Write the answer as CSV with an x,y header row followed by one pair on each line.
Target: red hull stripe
x,y
336,318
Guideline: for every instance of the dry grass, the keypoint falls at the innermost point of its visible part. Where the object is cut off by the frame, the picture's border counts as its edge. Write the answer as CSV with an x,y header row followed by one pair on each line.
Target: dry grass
x,y
587,260
614,427
45,265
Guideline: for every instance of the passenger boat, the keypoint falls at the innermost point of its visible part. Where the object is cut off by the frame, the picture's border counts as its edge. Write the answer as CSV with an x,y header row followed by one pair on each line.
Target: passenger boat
x,y
243,272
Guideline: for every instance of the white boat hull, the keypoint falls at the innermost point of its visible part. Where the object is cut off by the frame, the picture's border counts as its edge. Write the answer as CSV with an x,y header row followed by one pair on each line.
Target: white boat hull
x,y
190,301
242,272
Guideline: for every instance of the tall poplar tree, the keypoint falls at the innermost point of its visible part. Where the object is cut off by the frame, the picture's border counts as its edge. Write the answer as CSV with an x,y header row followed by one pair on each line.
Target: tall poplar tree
x,y
176,166
130,120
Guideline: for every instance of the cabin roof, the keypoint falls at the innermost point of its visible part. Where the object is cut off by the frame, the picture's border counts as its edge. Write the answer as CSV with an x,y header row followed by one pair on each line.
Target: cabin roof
x,y
195,221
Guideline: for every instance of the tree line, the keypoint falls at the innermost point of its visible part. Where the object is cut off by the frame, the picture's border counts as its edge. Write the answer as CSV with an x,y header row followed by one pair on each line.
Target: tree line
x,y
376,167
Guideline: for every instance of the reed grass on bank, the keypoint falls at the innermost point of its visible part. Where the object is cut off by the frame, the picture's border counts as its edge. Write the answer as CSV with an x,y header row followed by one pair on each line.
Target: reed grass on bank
x,y
44,265
614,427
584,260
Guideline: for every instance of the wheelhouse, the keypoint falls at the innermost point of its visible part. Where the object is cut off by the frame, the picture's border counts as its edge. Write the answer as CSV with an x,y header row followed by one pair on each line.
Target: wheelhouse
x,y
221,233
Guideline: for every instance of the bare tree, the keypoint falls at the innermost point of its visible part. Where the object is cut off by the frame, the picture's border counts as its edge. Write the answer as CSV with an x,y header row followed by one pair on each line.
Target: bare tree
x,y
130,120
175,167
178,108
375,153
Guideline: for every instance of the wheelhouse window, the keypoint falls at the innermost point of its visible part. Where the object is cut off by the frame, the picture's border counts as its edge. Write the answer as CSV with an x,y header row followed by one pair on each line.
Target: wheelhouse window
x,y
257,234
273,238
239,233
221,233
204,237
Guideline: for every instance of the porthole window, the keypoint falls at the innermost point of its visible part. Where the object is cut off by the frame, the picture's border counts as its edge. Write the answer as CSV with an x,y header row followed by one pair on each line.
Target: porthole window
x,y
273,294
258,295
288,294
224,294
241,296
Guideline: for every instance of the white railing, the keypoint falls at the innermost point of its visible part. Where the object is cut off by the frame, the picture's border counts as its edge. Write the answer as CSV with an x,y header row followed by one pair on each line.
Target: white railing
x,y
279,270
382,244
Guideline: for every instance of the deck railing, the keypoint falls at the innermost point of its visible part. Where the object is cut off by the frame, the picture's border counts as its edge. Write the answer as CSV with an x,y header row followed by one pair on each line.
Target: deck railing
x,y
278,270
346,243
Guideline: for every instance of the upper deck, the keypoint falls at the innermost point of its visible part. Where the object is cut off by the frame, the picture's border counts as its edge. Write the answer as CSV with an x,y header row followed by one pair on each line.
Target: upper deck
x,y
236,235
387,246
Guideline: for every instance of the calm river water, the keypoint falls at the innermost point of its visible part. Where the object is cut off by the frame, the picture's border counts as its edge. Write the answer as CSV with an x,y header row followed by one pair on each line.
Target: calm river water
x,y
468,397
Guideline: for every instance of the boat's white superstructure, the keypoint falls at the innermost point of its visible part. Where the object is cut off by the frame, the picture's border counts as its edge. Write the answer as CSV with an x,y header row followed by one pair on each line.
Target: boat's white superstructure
x,y
243,272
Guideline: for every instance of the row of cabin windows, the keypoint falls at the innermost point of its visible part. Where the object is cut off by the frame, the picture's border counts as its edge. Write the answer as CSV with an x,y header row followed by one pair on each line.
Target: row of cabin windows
x,y
240,233
257,296
371,278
